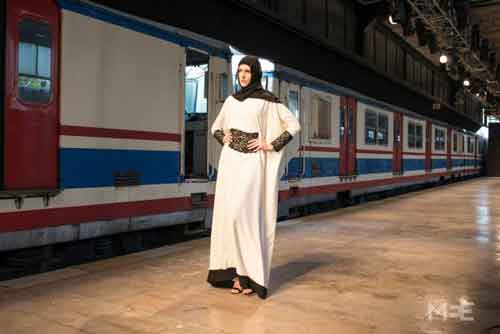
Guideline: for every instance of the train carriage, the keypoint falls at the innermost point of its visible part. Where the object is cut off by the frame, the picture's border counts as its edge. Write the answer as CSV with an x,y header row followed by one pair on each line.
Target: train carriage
x,y
105,119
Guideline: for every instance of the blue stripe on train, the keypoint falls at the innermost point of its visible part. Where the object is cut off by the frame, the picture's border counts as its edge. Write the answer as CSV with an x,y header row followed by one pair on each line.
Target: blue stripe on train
x,y
83,168
458,162
369,166
413,164
330,167
322,166
439,163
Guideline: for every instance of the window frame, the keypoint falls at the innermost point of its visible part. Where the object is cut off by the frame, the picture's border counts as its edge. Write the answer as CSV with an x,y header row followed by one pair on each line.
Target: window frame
x,y
414,135
378,116
17,73
320,97
439,139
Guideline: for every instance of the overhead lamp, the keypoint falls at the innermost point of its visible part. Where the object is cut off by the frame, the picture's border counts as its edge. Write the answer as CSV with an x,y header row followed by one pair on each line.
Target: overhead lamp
x,y
443,59
466,83
391,21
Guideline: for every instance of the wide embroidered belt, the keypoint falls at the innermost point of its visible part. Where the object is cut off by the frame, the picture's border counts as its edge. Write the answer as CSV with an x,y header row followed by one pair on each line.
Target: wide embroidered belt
x,y
240,140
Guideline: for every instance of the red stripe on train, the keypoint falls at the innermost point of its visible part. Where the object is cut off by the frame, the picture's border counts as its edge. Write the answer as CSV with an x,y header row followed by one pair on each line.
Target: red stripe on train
x,y
26,220
86,131
302,191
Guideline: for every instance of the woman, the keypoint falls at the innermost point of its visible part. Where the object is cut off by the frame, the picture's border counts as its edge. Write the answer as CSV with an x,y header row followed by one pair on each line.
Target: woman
x,y
253,127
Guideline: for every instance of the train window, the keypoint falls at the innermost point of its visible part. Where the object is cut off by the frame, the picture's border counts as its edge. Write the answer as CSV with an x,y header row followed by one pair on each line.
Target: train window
x,y
321,119
34,61
370,127
419,136
196,83
191,90
376,128
415,135
411,134
383,130
455,142
293,102
439,139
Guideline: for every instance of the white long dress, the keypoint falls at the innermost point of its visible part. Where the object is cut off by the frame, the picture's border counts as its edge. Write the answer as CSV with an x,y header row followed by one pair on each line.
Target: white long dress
x,y
246,195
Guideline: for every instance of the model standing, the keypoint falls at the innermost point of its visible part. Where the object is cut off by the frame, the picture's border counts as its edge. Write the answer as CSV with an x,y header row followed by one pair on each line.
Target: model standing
x,y
253,127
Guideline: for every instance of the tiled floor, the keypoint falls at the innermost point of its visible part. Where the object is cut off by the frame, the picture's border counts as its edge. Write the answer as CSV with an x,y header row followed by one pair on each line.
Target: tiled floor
x,y
426,262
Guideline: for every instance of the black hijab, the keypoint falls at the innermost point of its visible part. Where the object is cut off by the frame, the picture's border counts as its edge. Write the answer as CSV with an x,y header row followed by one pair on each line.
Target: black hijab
x,y
254,88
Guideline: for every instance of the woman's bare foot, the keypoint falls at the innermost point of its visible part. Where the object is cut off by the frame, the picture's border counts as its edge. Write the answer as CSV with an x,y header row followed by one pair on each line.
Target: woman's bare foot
x,y
248,292
236,286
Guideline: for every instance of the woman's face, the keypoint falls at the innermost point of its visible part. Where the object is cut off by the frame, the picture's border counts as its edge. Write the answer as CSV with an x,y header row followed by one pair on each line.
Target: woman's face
x,y
244,74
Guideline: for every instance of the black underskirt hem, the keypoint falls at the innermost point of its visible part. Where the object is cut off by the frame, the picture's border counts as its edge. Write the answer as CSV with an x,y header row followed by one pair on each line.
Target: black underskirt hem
x,y
223,278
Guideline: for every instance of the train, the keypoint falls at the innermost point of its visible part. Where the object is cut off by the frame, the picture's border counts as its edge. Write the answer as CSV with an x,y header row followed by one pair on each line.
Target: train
x,y
105,122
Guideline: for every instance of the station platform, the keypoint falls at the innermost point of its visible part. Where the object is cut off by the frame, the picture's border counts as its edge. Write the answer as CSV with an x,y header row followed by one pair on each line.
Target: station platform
x,y
423,262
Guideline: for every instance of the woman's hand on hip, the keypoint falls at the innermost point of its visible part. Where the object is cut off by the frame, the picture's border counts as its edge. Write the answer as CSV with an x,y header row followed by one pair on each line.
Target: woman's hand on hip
x,y
227,138
256,145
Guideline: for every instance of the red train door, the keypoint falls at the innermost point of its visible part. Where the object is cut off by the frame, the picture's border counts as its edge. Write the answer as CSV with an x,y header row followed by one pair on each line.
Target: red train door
x,y
31,94
428,146
347,136
351,134
397,157
449,162
2,84
343,137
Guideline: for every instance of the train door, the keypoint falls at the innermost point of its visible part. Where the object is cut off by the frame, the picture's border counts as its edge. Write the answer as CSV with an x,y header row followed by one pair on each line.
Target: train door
x,y
397,159
347,136
196,102
428,146
221,83
31,106
449,161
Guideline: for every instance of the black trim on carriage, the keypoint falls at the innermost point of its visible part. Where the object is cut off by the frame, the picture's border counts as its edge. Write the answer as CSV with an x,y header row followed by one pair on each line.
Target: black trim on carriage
x,y
223,278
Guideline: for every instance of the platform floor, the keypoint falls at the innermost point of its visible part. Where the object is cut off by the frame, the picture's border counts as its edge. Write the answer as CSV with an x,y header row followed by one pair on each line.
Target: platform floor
x,y
401,265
